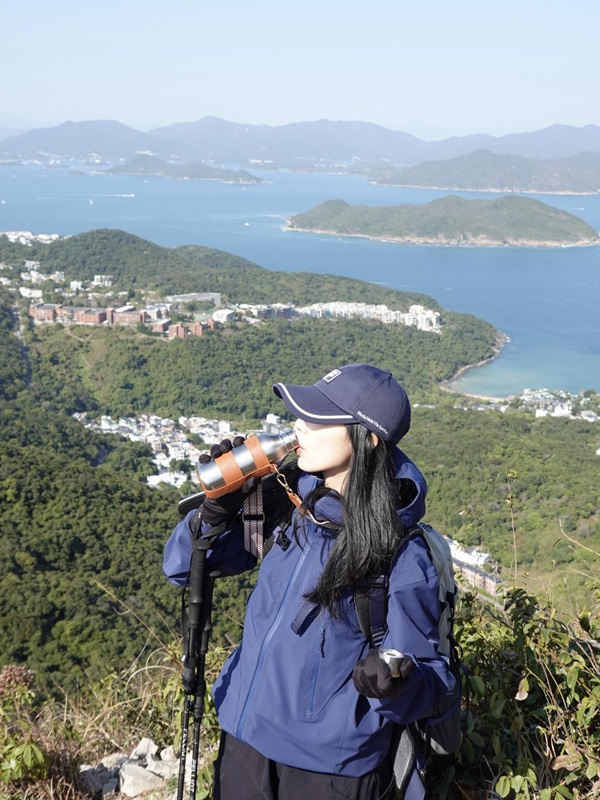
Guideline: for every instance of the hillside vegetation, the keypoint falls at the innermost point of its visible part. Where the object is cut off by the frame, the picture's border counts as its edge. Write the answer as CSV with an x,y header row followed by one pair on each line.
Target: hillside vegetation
x,y
139,265
532,678
83,533
516,221
193,171
483,171
82,598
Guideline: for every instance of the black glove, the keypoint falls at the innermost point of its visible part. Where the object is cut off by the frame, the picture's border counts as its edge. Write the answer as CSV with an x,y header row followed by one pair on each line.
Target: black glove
x,y
372,676
219,510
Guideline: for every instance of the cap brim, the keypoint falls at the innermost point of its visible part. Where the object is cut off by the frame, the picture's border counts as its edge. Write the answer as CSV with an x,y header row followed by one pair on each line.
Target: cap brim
x,y
311,405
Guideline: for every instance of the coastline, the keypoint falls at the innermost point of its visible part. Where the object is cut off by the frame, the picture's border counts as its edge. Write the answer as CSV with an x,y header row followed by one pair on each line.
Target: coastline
x,y
501,340
557,192
418,242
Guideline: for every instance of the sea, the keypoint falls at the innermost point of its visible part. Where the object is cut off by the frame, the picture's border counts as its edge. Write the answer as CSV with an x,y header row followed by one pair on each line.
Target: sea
x,y
545,300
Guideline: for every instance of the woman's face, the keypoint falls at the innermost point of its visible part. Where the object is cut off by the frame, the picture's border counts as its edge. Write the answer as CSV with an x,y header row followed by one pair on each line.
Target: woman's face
x,y
325,449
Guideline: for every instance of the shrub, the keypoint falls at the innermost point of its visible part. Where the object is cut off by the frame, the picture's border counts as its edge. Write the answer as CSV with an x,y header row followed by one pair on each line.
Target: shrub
x,y
533,727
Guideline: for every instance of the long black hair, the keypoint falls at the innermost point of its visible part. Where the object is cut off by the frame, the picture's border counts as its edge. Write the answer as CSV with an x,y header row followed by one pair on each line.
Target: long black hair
x,y
371,530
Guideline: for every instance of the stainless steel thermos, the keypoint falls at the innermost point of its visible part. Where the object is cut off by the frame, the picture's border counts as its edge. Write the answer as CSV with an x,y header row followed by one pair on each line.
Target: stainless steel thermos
x,y
253,458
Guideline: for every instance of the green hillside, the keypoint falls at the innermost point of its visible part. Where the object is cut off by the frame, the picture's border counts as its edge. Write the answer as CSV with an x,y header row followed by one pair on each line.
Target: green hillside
x,y
75,512
136,264
483,171
194,171
229,373
516,221
82,533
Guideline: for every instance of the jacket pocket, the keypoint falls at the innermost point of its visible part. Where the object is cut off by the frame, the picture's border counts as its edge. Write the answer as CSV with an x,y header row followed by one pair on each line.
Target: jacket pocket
x,y
314,673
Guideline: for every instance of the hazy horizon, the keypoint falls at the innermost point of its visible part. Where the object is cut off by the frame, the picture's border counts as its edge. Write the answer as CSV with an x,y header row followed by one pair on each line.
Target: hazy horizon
x,y
8,123
434,70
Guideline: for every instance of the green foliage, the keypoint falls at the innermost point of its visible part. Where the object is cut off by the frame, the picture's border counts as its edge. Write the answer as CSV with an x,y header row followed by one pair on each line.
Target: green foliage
x,y
534,720
532,728
453,220
124,374
13,367
482,170
81,591
77,515
137,264
21,759
78,522
490,472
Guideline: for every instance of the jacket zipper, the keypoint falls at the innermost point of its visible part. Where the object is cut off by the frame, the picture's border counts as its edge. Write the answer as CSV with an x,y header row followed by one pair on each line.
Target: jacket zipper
x,y
315,672
264,646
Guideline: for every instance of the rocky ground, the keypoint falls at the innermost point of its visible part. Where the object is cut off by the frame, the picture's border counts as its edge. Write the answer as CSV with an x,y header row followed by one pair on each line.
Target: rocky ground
x,y
144,773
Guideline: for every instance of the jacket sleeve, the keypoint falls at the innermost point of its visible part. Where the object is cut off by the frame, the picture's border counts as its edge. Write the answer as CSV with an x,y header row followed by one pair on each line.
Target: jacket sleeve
x,y
413,616
226,555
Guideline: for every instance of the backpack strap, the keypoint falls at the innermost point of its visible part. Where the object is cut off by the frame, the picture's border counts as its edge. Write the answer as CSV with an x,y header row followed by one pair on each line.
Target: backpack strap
x,y
371,602
371,609
406,755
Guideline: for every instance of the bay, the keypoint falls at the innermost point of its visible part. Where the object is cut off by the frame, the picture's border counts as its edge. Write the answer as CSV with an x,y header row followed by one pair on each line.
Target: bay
x,y
545,300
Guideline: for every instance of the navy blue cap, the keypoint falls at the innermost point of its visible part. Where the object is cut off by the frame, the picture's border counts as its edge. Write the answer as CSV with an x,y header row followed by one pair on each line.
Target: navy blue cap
x,y
354,393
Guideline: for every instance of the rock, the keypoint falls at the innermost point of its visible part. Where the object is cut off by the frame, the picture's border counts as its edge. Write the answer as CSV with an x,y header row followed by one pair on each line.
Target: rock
x,y
110,787
93,778
113,760
145,774
168,754
163,767
135,779
144,749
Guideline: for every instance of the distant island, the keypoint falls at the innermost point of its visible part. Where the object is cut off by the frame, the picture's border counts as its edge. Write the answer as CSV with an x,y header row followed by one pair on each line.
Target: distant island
x,y
143,164
453,221
484,171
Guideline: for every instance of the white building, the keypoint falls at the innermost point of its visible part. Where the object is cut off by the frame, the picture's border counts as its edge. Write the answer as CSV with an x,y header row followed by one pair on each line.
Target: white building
x,y
423,318
223,315
158,311
36,277
32,294
102,280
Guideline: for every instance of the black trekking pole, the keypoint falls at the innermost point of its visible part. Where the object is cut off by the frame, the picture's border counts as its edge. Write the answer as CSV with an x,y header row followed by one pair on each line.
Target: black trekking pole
x,y
196,638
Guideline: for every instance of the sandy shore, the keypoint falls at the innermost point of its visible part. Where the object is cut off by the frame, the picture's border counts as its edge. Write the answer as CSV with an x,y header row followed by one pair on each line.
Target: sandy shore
x,y
501,339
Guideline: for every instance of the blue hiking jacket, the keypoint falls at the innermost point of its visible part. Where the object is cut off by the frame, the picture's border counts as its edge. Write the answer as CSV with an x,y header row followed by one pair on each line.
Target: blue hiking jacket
x,y
287,689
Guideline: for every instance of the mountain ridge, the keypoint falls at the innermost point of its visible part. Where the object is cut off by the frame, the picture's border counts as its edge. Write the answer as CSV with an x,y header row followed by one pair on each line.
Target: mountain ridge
x,y
321,143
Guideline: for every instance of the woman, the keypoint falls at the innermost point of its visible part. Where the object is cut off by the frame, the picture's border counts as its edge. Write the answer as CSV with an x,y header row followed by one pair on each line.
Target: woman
x,y
305,703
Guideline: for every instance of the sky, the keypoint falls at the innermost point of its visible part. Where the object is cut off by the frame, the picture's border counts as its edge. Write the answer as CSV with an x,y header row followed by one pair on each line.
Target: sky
x,y
432,68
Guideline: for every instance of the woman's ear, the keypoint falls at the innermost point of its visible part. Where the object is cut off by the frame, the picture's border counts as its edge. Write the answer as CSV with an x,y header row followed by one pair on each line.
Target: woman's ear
x,y
374,440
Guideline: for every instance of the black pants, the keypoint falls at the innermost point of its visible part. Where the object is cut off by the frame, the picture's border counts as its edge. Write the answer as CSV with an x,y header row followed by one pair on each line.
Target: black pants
x,y
242,773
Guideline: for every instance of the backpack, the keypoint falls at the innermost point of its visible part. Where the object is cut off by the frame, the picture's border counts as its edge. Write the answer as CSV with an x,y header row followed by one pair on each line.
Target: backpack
x,y
441,733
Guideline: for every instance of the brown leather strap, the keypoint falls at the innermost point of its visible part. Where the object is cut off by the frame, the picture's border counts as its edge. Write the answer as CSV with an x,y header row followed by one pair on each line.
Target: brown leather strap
x,y
232,474
259,456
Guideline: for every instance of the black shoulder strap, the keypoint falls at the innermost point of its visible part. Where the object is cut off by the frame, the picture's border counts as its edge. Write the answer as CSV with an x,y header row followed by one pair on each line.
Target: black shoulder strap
x,y
371,609
371,602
